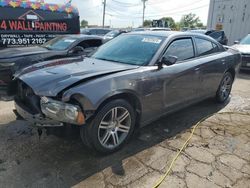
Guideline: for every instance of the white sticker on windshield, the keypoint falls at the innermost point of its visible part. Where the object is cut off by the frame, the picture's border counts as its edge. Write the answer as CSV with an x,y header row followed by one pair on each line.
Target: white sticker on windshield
x,y
69,40
152,40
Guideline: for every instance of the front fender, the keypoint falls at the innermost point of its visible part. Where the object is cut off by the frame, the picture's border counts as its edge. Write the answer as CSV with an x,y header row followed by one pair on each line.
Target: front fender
x,y
92,94
92,104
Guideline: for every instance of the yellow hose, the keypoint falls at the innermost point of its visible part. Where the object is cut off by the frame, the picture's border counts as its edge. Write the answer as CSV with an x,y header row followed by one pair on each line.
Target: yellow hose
x,y
189,138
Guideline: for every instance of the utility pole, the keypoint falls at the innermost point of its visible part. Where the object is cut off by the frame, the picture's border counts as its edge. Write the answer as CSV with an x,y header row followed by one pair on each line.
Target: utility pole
x,y
144,7
104,12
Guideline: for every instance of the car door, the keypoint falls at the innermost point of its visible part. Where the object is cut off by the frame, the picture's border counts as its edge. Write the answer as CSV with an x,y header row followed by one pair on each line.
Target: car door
x,y
182,80
213,64
172,87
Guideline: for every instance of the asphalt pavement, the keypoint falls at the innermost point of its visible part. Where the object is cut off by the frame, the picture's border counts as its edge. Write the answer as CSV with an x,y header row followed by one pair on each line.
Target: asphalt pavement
x,y
218,155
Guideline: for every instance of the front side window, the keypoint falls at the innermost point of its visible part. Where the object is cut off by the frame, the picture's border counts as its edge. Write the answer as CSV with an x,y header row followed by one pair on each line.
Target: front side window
x,y
204,47
183,49
130,49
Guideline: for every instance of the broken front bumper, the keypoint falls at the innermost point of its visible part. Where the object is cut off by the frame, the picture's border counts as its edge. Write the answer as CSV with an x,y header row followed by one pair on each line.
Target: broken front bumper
x,y
36,119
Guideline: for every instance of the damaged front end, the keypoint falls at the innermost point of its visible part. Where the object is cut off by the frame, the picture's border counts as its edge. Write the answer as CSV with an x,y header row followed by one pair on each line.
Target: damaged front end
x,y
60,111
45,111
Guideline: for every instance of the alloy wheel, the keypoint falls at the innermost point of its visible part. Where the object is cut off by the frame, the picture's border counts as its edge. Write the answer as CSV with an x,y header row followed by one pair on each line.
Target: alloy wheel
x,y
114,127
226,86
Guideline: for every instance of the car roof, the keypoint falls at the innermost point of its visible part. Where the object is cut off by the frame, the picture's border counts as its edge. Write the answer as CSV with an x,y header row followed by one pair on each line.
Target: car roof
x,y
166,33
159,28
82,36
203,31
96,28
155,33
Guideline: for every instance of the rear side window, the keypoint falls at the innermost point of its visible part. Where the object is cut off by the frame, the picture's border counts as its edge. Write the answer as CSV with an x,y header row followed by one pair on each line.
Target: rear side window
x,y
90,43
181,48
205,47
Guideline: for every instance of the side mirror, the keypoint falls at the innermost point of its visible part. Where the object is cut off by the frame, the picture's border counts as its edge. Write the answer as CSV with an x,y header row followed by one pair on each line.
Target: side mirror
x,y
78,50
168,60
236,42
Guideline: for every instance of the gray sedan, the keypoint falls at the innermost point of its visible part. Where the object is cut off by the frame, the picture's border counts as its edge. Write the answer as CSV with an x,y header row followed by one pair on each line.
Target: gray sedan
x,y
244,47
128,82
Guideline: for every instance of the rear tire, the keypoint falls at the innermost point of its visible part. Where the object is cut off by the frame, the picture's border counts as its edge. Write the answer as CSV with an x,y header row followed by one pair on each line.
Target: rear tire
x,y
111,127
225,88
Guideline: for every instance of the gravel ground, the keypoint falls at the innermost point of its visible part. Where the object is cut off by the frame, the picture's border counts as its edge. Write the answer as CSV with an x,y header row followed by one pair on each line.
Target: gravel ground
x,y
218,155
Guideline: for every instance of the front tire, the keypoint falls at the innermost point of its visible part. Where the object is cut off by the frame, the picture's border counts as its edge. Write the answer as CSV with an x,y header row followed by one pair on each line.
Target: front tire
x,y
225,88
111,128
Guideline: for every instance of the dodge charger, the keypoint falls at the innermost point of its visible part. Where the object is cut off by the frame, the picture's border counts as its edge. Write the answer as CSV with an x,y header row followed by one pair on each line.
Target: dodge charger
x,y
127,83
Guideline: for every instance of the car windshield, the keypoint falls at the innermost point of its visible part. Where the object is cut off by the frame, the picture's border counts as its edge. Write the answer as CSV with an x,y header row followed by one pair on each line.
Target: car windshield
x,y
59,43
245,40
130,49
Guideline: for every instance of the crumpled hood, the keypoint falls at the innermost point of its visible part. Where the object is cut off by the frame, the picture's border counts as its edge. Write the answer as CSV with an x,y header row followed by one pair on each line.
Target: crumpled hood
x,y
49,81
19,52
245,49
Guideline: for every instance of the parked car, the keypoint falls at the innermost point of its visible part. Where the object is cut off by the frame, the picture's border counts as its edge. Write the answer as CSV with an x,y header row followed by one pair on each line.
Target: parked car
x,y
112,34
219,36
139,29
201,31
15,59
244,47
151,29
159,29
128,82
95,31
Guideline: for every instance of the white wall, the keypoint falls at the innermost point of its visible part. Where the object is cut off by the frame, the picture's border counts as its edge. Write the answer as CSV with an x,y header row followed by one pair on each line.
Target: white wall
x,y
233,15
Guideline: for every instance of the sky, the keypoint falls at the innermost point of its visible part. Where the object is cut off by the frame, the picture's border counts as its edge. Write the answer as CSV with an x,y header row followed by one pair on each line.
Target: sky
x,y
128,13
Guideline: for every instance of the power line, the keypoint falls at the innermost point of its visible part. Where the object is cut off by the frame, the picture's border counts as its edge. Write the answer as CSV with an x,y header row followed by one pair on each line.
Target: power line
x,y
176,12
163,14
125,4
178,8
118,12
122,15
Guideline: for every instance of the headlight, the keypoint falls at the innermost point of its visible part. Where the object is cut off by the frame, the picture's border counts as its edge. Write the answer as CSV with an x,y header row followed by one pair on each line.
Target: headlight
x,y
62,112
71,112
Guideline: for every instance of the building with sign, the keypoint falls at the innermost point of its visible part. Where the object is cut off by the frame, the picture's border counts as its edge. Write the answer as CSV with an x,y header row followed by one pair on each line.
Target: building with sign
x,y
25,22
232,16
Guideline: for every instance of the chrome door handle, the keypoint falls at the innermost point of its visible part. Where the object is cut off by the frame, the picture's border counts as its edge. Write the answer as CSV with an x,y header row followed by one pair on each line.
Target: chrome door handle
x,y
223,61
